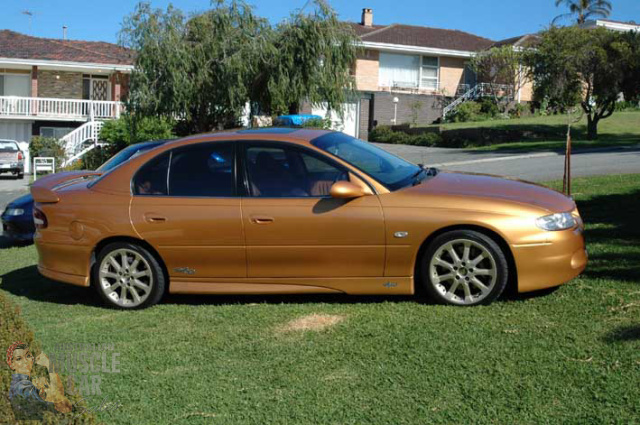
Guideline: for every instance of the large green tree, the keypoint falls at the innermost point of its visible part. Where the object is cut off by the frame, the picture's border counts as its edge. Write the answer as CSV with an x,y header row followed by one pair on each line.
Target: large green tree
x,y
500,66
575,65
205,68
583,10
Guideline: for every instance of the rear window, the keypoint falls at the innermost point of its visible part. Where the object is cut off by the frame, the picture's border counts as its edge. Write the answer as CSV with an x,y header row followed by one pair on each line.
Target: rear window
x,y
6,146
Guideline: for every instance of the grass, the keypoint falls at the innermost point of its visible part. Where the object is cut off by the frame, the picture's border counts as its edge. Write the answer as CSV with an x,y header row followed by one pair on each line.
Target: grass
x,y
569,357
621,129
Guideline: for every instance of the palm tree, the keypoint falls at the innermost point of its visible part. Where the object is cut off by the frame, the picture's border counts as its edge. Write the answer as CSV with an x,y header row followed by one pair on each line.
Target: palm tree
x,y
582,10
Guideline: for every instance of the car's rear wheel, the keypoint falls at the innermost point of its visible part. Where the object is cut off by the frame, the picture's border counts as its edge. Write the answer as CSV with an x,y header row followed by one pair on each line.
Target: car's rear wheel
x,y
465,268
127,276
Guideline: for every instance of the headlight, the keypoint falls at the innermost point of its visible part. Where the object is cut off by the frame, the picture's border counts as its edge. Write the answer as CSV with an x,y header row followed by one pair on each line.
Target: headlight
x,y
14,211
559,221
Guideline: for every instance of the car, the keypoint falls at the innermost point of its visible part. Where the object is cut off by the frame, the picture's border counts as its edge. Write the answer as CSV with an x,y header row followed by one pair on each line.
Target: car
x,y
299,211
11,158
17,218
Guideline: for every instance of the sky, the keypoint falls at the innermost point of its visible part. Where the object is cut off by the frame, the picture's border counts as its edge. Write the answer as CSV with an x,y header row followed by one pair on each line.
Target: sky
x,y
494,19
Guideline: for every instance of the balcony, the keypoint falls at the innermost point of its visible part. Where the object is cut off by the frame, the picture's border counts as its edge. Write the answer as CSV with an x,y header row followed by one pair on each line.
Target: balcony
x,y
41,108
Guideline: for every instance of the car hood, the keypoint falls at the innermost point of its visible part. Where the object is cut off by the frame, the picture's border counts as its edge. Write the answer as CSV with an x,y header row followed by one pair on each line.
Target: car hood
x,y
497,188
21,202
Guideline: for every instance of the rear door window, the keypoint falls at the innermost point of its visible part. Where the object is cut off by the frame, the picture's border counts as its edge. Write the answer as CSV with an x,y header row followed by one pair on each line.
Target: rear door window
x,y
203,170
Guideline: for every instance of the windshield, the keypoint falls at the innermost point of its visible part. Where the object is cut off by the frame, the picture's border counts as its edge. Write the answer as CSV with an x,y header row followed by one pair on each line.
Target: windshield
x,y
393,172
126,154
8,146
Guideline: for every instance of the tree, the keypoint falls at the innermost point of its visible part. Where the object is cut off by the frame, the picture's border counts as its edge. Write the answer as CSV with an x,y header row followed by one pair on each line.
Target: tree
x,y
631,66
500,66
571,64
204,69
582,10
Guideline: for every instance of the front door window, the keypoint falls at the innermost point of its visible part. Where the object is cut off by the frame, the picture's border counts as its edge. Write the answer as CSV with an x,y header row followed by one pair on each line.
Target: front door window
x,y
289,172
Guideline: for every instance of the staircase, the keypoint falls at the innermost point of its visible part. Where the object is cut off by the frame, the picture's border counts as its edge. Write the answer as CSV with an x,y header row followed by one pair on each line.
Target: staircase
x,y
478,91
81,140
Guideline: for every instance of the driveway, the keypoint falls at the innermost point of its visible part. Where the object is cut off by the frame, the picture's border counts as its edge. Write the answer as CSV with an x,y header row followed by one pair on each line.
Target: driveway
x,y
539,166
11,188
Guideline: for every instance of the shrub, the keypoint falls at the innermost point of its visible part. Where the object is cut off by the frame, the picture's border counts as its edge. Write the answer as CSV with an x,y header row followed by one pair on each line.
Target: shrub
x,y
489,107
385,134
49,147
468,111
627,105
321,123
128,130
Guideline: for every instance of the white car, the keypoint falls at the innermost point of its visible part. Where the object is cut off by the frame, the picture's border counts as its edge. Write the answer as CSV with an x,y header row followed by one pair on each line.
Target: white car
x,y
11,158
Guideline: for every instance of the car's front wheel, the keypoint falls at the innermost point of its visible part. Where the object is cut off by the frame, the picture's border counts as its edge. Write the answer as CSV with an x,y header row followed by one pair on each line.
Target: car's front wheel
x,y
465,268
127,276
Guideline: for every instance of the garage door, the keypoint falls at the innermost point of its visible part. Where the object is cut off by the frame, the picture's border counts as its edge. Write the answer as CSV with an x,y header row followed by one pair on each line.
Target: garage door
x,y
21,132
348,123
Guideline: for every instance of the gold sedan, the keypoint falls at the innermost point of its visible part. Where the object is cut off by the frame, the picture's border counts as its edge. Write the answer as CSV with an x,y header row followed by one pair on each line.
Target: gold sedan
x,y
299,211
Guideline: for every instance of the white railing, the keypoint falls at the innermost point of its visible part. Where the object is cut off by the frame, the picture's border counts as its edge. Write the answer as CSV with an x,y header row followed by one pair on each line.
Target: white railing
x,y
503,91
74,109
81,140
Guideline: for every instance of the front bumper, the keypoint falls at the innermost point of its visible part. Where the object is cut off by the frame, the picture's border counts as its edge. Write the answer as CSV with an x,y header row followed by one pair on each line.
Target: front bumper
x,y
17,230
562,257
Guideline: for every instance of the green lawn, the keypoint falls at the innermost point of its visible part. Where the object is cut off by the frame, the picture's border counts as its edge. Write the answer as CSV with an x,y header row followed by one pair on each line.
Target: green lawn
x,y
621,129
569,357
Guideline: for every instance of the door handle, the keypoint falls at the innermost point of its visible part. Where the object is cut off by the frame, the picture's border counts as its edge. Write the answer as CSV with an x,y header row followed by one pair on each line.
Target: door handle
x,y
261,220
153,218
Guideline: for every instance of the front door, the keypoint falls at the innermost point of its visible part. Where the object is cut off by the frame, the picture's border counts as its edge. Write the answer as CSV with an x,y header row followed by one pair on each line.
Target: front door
x,y
185,205
294,228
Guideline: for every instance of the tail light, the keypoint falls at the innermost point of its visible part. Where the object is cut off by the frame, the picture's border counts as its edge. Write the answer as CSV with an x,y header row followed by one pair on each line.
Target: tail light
x,y
20,156
39,219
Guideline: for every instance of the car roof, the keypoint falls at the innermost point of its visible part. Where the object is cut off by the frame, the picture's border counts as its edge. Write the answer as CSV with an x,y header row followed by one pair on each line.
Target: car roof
x,y
300,135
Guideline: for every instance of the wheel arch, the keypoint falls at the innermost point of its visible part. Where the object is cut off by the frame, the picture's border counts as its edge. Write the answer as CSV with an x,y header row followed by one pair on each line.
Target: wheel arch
x,y
146,245
512,282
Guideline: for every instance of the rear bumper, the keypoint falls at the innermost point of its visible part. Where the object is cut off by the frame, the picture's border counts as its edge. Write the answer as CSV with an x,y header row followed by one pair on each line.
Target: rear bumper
x,y
8,168
64,263
549,264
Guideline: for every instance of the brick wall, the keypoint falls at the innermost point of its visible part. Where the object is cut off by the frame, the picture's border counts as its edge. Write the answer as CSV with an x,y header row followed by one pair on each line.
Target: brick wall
x,y
67,86
363,125
430,108
367,70
451,75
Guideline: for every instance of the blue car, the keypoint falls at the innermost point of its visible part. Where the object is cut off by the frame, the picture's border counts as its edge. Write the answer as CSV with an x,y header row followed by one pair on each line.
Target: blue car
x,y
17,218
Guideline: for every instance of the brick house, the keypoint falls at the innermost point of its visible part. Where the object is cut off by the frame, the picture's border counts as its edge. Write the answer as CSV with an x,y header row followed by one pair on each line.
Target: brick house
x,y
409,73
60,88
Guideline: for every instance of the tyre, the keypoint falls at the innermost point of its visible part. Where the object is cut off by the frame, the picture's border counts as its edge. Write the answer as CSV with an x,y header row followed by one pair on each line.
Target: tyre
x,y
127,276
20,176
464,268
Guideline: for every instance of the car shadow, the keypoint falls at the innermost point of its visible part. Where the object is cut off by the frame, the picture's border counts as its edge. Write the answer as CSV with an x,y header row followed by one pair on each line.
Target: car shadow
x,y
623,334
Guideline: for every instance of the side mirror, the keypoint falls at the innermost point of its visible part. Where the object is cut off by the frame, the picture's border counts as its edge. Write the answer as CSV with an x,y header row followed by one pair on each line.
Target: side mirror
x,y
346,190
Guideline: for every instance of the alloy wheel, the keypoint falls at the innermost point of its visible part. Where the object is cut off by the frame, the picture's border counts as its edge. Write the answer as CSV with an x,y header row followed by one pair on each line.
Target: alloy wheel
x,y
125,277
463,271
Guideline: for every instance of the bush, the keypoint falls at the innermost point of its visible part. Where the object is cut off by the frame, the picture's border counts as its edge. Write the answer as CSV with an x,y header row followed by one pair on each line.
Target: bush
x,y
321,123
468,111
489,108
385,134
49,147
128,130
627,105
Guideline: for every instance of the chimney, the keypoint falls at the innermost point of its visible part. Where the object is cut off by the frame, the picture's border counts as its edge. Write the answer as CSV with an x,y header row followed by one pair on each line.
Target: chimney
x,y
367,17
64,32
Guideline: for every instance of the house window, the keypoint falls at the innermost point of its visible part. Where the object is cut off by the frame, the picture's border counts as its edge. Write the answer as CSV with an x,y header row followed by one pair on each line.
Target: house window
x,y
55,132
399,70
15,85
429,72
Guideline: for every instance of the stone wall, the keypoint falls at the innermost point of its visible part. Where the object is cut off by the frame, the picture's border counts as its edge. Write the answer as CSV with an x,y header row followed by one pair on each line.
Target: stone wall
x,y
60,85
